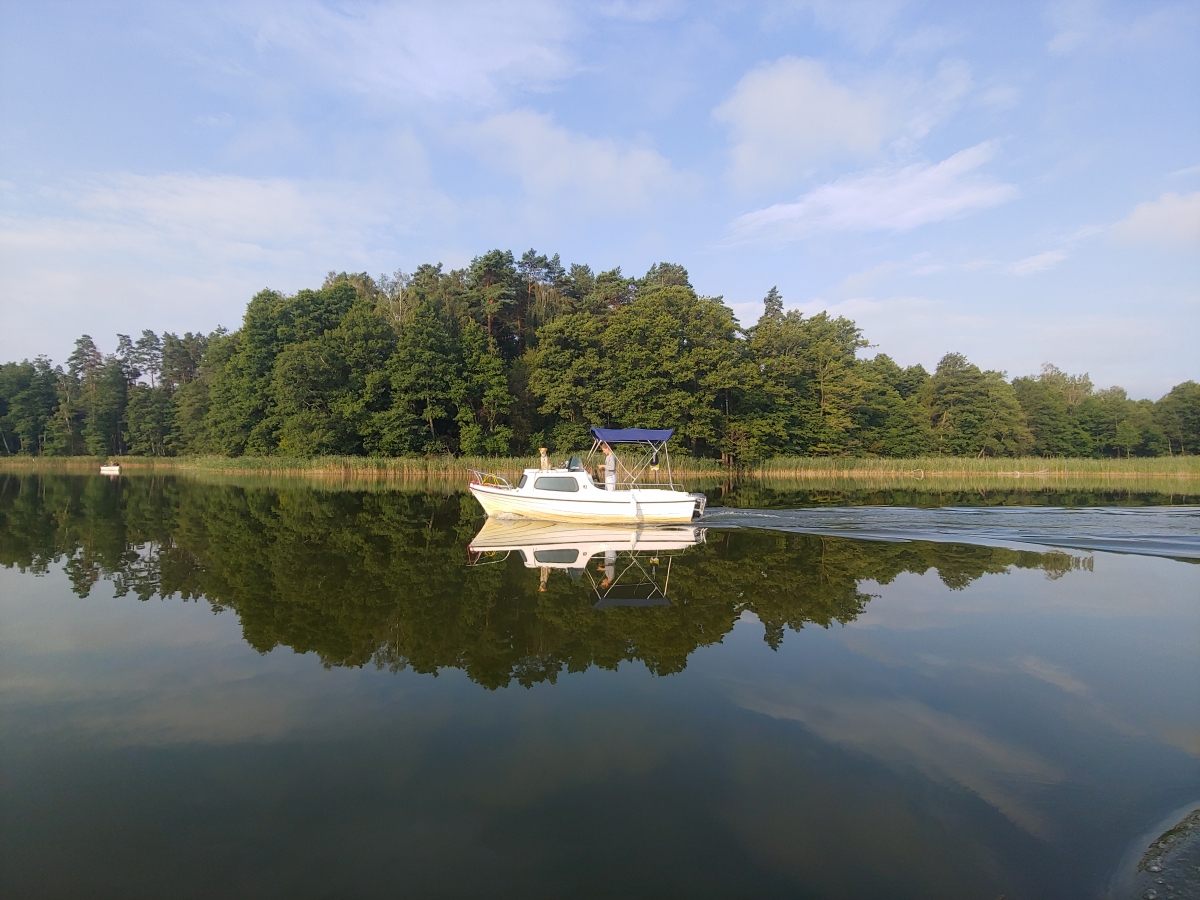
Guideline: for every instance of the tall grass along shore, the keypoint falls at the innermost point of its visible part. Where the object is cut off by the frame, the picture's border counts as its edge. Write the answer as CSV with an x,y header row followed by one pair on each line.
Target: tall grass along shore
x,y
1164,472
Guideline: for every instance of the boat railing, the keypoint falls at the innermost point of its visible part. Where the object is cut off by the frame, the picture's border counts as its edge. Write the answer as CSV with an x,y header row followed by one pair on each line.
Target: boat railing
x,y
486,557
488,479
641,468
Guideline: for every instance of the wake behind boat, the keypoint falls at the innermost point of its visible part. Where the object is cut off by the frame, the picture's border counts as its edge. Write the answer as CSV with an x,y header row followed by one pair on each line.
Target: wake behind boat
x,y
569,493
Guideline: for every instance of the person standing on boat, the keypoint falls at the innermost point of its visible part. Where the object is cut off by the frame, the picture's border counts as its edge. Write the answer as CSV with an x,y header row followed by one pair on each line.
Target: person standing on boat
x,y
610,467
610,484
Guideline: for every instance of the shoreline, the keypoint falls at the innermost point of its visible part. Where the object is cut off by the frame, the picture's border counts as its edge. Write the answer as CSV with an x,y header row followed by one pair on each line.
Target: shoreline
x,y
791,467
1159,475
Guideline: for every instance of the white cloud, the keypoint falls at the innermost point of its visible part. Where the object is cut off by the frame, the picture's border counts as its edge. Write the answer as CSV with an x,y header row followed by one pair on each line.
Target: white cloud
x,y
895,200
790,114
1172,219
932,102
1000,96
1095,25
1039,262
183,250
929,269
863,23
436,49
226,209
929,39
594,174
1077,22
787,117
643,10
1138,347
233,217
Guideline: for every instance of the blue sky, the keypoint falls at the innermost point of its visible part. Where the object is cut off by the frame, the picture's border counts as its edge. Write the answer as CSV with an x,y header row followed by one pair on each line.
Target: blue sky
x,y
1019,182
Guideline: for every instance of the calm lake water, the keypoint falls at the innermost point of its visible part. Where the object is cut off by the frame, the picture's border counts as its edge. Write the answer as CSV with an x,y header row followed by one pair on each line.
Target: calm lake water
x,y
253,691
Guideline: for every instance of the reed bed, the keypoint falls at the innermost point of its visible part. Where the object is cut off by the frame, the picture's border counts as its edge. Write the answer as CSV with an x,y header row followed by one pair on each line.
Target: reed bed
x,y
1178,490
358,467
958,467
1177,476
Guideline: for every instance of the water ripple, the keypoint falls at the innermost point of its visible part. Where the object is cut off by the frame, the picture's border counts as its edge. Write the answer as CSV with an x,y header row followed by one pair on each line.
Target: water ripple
x,y
1171,531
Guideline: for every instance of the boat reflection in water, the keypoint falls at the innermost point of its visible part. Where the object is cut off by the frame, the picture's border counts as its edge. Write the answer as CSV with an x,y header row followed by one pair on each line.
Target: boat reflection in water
x,y
626,566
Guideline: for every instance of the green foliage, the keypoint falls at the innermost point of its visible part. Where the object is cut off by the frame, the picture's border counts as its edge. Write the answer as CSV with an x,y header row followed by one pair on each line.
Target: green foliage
x,y
28,397
890,419
974,413
510,354
811,363
93,396
567,375
663,275
1119,426
180,358
671,359
481,394
422,374
1178,414
1052,411
492,289
149,421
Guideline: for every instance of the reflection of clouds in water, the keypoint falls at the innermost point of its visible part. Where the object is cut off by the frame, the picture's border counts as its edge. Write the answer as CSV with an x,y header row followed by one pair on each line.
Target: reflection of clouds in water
x,y
127,673
40,615
905,733
1048,672
196,701
1130,722
1133,587
1033,666
163,674
1083,701
1144,611
541,756
1182,737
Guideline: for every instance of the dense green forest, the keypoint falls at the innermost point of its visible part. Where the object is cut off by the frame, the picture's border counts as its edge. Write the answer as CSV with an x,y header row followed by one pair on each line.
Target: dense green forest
x,y
507,355
381,577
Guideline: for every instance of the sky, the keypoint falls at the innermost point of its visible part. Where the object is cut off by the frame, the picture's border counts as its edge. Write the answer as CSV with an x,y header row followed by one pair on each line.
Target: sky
x,y
1019,182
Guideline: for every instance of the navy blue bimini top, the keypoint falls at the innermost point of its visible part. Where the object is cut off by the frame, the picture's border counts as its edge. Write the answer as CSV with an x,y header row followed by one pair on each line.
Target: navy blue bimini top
x,y
632,435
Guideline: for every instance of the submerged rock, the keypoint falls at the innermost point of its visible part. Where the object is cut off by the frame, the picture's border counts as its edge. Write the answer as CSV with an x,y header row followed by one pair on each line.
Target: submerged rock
x,y
1171,863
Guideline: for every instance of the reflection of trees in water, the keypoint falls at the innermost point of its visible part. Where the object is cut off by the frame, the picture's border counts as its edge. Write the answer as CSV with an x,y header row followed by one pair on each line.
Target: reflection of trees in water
x,y
382,577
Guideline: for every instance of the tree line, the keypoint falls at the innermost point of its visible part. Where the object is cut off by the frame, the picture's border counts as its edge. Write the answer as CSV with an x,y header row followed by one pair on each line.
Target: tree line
x,y
380,578
509,354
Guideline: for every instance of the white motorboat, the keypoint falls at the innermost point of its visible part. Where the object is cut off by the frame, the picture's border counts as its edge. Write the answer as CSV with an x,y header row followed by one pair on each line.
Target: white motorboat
x,y
568,493
632,565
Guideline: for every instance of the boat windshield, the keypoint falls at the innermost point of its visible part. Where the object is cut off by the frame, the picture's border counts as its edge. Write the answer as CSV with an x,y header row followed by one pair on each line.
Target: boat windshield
x,y
564,556
556,483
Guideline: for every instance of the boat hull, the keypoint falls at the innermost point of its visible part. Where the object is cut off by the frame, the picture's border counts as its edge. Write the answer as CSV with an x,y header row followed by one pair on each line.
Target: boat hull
x,y
617,507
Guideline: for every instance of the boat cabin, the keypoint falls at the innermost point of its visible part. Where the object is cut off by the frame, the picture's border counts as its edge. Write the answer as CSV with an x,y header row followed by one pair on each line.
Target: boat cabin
x,y
569,479
632,488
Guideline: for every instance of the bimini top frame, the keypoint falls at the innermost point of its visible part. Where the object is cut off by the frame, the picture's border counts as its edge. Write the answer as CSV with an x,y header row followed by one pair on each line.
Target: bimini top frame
x,y
650,442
